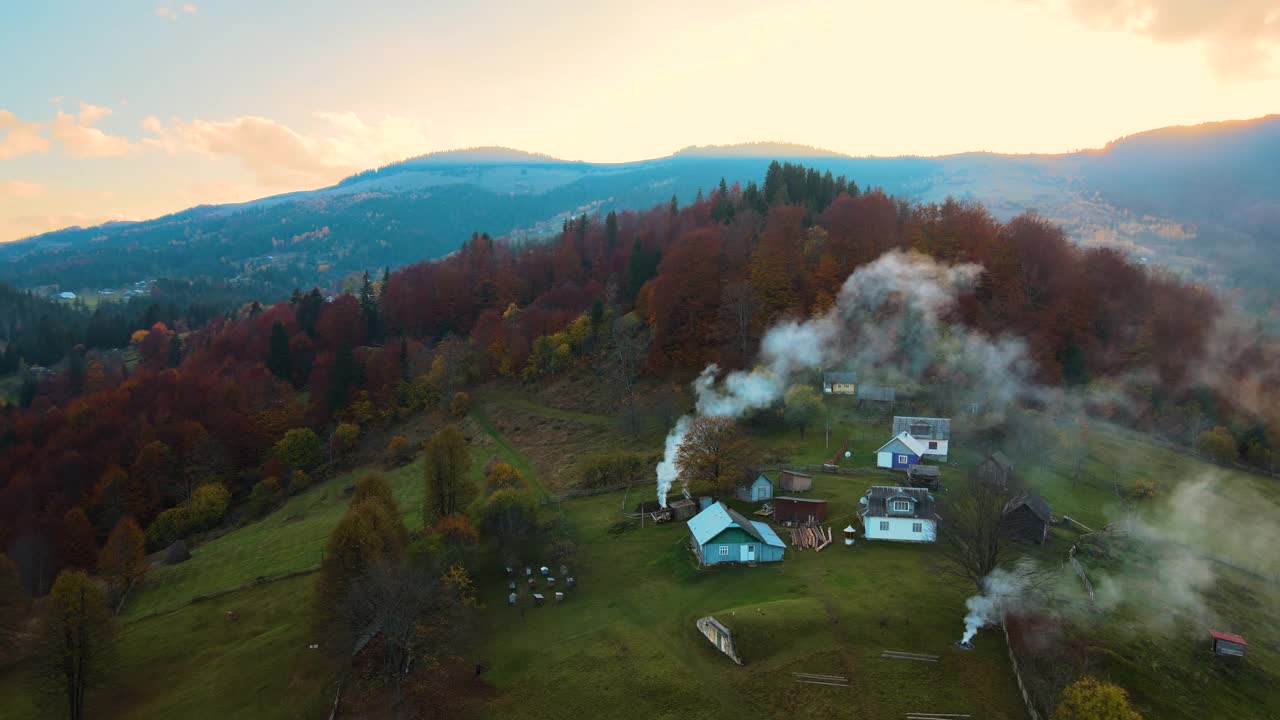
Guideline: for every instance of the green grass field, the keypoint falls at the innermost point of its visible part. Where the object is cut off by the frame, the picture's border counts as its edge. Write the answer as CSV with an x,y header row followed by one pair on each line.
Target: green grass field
x,y
624,644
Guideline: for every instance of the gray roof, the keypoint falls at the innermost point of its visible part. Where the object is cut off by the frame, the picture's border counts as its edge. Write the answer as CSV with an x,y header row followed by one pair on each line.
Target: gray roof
x,y
815,501
879,393
1034,502
931,471
879,495
999,459
939,428
839,377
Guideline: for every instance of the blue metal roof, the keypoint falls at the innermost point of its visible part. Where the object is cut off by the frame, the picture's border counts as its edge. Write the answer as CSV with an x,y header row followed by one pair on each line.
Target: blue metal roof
x,y
709,523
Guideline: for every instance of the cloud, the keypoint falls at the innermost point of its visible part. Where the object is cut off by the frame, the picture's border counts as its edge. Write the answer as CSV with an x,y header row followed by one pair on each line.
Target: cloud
x,y
167,13
279,155
80,139
191,9
20,138
19,189
1241,37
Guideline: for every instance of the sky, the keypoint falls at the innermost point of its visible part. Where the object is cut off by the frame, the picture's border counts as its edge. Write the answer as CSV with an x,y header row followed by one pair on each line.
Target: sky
x,y
124,109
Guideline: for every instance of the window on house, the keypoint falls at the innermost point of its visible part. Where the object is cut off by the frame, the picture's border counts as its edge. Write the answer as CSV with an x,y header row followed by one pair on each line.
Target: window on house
x,y
724,551
884,525
917,527
902,506
902,459
921,429
933,444
751,549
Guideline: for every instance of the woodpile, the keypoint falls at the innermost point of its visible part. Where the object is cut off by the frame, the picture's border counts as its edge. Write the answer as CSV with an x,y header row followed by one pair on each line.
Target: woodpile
x,y
810,535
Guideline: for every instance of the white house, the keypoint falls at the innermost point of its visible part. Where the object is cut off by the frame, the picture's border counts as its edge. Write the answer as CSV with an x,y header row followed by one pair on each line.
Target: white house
x,y
934,433
899,513
900,453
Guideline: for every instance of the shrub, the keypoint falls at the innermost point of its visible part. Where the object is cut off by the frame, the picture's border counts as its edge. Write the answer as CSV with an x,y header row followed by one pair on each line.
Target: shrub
x,y
206,508
1218,444
344,439
460,405
1143,489
300,449
502,476
615,468
299,482
1091,699
399,450
456,529
264,496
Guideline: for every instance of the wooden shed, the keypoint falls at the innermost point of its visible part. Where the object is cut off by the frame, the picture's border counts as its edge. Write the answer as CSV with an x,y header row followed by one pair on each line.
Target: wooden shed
x,y
925,476
1228,644
1028,517
995,469
793,481
684,508
797,510
754,489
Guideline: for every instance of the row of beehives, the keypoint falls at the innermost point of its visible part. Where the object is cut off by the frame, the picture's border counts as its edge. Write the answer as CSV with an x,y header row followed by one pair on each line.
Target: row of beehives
x,y
531,580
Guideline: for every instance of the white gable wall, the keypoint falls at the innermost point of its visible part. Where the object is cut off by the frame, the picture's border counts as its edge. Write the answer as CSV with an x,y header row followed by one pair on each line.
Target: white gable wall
x,y
940,451
901,529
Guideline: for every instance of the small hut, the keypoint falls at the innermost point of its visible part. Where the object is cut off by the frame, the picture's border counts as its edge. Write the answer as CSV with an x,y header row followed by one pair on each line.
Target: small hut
x,y
996,470
754,488
684,508
1228,644
925,476
792,481
1028,517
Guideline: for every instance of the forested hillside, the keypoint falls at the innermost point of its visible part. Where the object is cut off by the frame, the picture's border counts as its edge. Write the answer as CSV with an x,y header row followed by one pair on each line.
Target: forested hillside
x,y
1197,200
256,402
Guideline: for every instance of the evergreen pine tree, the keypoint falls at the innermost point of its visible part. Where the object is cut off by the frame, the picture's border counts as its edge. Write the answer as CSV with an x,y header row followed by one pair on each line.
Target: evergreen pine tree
x,y
611,230
369,306
175,351
675,205
278,360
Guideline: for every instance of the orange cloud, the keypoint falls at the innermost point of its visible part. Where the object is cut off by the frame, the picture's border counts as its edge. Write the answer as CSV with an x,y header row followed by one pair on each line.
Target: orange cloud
x,y
80,139
19,138
19,189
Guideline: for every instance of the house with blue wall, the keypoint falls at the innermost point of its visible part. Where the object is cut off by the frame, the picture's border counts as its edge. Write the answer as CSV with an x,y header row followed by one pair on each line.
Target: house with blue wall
x,y
721,535
900,453
758,489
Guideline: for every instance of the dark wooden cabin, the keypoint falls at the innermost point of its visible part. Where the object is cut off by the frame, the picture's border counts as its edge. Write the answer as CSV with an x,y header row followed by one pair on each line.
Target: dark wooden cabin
x,y
1028,517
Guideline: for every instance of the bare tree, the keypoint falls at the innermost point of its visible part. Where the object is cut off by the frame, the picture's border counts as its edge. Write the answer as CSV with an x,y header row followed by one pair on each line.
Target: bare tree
x,y
413,617
970,529
627,354
737,309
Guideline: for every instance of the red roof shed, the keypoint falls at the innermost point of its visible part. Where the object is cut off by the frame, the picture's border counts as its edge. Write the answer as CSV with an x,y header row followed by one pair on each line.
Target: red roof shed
x,y
1228,644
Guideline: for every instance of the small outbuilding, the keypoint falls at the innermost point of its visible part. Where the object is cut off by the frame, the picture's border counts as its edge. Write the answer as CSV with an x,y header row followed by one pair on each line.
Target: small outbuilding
x,y
995,470
792,481
798,510
900,453
839,383
898,513
934,434
876,393
1228,644
721,535
925,476
719,636
1028,517
756,489
682,509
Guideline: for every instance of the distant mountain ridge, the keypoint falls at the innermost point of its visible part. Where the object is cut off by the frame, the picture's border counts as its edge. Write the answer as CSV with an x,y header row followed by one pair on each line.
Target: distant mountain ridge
x,y
1203,200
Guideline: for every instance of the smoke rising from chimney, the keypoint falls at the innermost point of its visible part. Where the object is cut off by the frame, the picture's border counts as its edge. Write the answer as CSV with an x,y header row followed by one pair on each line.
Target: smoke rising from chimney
x,y
891,318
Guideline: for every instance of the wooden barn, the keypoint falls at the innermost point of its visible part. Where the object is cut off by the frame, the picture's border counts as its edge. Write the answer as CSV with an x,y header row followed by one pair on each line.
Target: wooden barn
x,y
995,469
1028,517
791,481
754,489
876,393
722,536
798,510
934,434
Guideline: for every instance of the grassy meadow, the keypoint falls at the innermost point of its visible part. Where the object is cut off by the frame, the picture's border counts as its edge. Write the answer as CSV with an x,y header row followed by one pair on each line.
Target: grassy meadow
x,y
623,644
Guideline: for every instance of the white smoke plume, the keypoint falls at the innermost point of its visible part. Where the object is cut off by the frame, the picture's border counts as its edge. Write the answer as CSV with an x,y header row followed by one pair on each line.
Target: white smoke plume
x,y
1002,590
890,318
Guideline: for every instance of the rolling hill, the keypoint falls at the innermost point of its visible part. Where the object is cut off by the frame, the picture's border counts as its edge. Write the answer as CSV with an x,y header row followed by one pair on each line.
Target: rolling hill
x,y
1203,201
